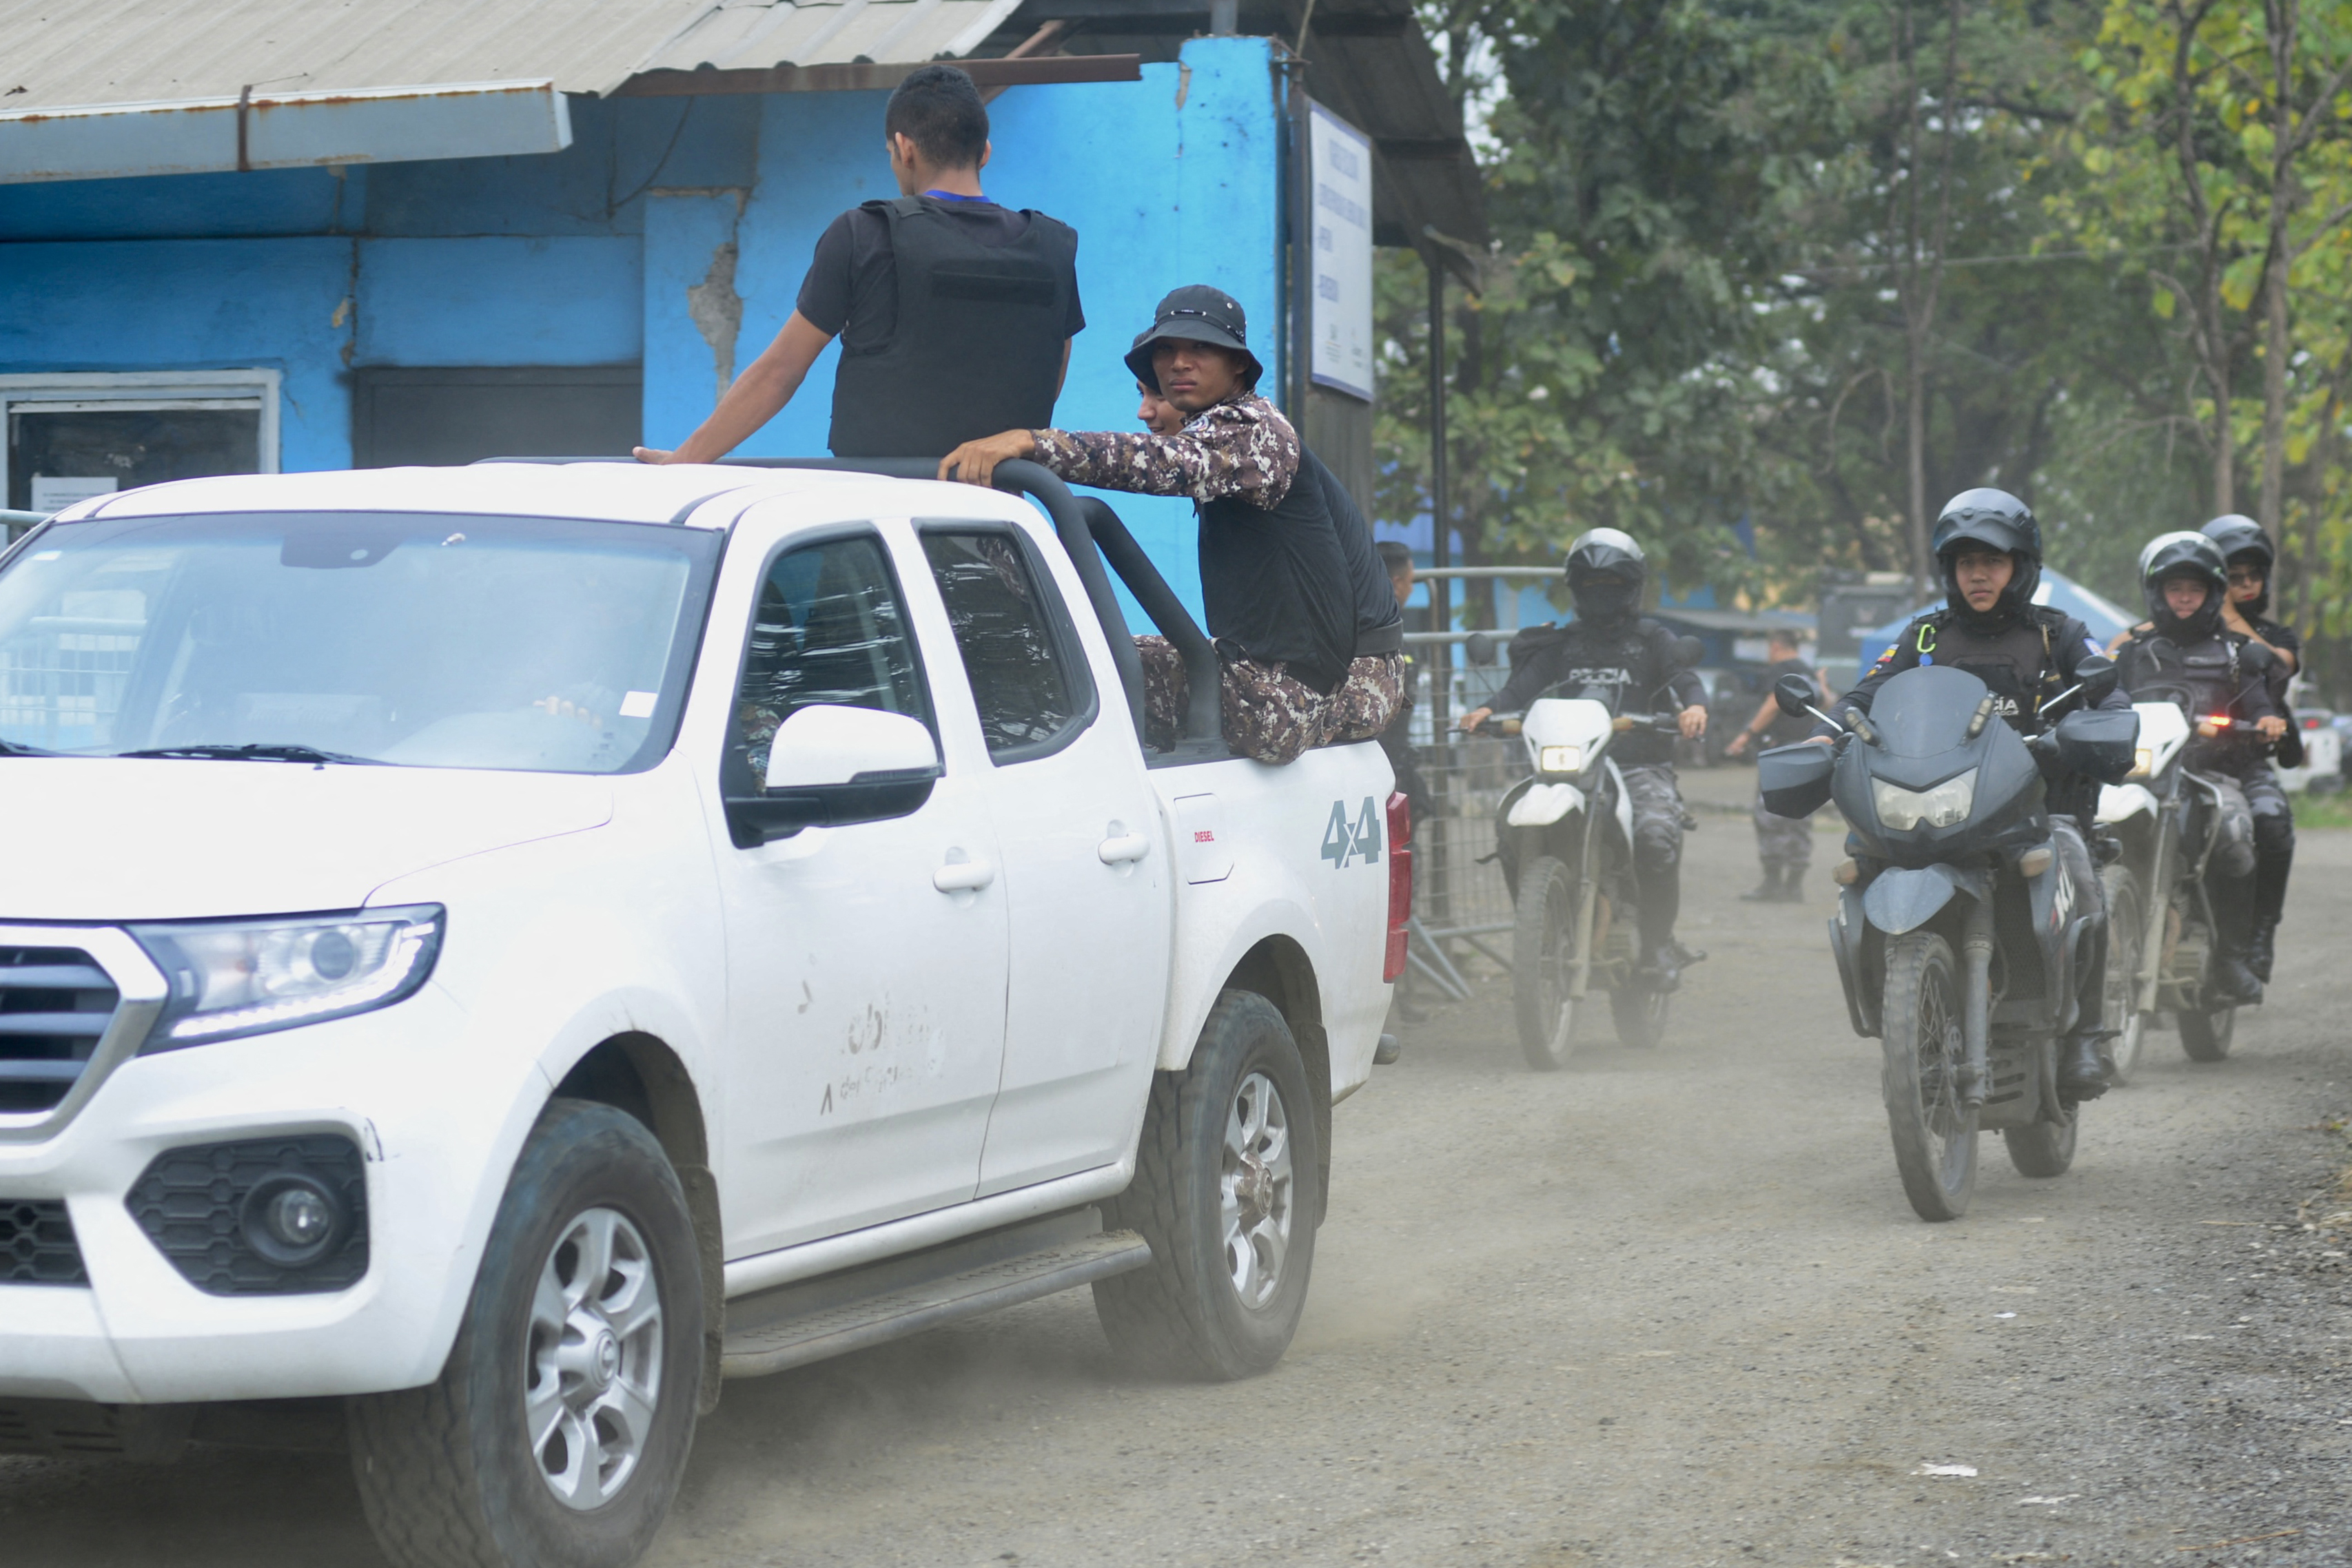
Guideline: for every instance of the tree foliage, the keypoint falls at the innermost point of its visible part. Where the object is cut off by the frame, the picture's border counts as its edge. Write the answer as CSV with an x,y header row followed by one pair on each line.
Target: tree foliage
x,y
1774,277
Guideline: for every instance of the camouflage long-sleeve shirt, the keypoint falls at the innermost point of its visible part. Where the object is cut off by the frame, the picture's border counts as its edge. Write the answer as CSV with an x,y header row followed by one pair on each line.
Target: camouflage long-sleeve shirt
x,y
1241,447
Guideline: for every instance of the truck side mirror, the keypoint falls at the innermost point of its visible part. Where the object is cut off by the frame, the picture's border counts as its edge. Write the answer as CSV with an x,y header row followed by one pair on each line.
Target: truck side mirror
x,y
1794,694
825,744
832,766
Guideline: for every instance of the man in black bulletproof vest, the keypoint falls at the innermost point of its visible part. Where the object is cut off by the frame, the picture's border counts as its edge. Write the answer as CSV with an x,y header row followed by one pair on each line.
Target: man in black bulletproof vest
x,y
1989,548
1612,653
953,313
1299,670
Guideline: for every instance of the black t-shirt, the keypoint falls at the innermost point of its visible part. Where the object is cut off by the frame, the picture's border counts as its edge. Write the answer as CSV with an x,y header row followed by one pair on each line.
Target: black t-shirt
x,y
852,286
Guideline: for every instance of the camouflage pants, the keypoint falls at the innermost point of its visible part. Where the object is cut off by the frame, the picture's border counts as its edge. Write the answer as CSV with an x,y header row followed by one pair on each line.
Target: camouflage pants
x,y
1782,843
1265,714
1657,802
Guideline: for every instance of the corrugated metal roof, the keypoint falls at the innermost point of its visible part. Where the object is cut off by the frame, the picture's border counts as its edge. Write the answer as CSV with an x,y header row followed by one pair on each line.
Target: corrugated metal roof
x,y
61,52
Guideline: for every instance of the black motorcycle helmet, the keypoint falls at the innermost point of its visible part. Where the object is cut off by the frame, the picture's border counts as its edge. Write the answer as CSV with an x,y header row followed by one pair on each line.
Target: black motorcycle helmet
x,y
1605,569
1990,520
2184,554
2243,542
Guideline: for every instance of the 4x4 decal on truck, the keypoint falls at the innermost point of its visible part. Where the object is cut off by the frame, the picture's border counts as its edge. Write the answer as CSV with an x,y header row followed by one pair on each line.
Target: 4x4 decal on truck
x,y
1342,842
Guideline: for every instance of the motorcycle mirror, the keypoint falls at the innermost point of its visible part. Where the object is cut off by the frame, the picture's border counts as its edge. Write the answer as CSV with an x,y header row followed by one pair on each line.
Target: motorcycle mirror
x,y
1794,695
2096,675
1478,648
1688,652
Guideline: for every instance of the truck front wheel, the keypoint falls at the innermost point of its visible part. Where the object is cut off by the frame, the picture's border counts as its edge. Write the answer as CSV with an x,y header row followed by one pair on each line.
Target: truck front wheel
x,y
1226,1191
558,1430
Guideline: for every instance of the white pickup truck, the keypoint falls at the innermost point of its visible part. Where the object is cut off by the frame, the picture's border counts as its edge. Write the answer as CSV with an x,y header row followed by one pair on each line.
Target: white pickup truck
x,y
488,953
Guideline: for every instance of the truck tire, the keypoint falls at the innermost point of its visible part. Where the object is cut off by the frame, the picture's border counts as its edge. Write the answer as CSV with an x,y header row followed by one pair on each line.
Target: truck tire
x,y
1226,1192
558,1430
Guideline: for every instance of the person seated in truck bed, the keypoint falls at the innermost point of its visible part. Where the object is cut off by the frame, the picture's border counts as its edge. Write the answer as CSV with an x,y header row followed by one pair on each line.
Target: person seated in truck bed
x,y
1273,573
1366,704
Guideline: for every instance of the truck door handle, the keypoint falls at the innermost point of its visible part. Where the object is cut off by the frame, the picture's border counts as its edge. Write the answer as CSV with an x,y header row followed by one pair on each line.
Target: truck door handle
x,y
1122,848
963,876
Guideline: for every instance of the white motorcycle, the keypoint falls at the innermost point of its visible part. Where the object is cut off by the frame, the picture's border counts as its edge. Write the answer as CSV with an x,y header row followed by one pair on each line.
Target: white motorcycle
x,y
1565,837
2161,918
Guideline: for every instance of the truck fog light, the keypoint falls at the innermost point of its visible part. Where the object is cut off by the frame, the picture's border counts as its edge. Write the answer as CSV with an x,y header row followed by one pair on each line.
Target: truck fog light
x,y
292,1220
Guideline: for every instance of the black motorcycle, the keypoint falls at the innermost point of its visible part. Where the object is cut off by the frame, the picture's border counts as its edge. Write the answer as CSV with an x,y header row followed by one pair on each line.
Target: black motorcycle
x,y
1959,929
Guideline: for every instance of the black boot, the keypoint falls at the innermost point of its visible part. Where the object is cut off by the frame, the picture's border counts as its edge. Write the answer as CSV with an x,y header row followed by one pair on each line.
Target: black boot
x,y
1661,968
1768,891
2083,1067
2258,948
2234,981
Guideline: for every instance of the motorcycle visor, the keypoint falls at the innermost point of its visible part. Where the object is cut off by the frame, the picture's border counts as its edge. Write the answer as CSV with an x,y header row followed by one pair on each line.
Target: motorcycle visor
x,y
1942,805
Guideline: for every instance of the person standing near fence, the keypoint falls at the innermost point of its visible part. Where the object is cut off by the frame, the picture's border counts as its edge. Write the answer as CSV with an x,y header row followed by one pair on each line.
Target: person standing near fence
x,y
1785,844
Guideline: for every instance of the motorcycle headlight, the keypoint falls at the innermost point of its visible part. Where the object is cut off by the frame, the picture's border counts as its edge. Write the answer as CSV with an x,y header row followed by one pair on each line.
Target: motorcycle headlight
x,y
1945,804
235,977
2143,762
1561,760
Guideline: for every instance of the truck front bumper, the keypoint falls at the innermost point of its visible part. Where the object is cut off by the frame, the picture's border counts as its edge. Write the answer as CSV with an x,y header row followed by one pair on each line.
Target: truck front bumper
x,y
427,1108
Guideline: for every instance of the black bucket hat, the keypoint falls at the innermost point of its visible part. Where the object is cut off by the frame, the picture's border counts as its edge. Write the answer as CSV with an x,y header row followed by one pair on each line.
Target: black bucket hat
x,y
1202,315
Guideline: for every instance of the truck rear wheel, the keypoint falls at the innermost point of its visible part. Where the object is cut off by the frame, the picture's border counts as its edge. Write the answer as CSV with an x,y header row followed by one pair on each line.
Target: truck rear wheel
x,y
1226,1192
558,1430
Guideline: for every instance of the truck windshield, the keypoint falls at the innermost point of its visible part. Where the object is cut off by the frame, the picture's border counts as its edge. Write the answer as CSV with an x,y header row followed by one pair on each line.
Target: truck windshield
x,y
430,641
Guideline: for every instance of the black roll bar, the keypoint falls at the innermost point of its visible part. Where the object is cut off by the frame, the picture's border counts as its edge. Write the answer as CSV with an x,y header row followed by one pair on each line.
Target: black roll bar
x,y
1204,675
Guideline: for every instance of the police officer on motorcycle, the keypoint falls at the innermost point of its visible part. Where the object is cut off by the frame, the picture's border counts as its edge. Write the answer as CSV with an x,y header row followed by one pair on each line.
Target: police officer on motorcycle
x,y
2187,654
1612,653
1988,551
2251,559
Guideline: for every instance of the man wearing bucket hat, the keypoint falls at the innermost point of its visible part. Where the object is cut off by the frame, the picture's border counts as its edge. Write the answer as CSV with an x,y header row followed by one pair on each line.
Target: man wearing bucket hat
x,y
1275,576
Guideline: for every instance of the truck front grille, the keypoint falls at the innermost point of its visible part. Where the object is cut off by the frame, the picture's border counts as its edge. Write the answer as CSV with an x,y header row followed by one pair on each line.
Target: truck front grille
x,y
37,1245
55,1003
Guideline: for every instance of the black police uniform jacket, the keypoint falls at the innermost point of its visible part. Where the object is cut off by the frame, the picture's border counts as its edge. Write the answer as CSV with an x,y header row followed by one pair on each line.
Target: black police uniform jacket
x,y
1626,667
2029,660
2209,676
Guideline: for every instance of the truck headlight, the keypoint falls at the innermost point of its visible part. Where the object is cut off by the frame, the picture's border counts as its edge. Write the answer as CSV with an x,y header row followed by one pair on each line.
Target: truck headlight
x,y
235,978
1939,807
1559,759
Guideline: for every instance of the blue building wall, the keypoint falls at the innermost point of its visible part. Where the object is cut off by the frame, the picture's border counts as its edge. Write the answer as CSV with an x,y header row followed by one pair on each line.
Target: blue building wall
x,y
587,256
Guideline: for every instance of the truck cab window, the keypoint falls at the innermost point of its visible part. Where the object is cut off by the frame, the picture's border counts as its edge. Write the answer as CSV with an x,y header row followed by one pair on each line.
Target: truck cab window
x,y
830,628
1017,648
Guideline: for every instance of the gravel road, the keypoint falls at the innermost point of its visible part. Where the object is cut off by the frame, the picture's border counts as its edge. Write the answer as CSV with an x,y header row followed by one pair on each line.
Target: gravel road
x,y
1666,1307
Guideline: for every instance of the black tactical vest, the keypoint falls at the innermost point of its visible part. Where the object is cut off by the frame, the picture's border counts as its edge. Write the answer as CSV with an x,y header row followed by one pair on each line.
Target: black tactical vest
x,y
2016,663
1275,585
978,345
2204,676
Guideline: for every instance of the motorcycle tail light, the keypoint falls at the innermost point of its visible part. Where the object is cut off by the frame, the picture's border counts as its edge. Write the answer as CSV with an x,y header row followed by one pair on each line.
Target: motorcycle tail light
x,y
1400,886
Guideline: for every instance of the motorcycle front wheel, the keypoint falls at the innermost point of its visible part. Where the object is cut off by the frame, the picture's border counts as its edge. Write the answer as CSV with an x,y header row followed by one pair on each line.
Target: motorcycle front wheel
x,y
2207,1035
1543,963
1640,1015
2126,923
1934,1136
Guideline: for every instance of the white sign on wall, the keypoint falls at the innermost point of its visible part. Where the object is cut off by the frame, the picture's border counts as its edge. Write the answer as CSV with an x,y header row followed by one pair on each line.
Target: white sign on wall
x,y
1340,157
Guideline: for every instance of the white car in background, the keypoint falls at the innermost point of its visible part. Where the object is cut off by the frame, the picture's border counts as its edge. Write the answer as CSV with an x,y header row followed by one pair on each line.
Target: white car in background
x,y
488,953
2323,754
